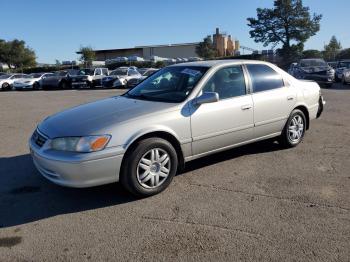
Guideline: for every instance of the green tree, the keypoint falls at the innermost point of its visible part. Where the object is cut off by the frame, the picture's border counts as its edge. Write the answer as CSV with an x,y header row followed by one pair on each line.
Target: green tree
x,y
87,55
288,23
57,63
332,49
312,53
16,54
344,54
206,49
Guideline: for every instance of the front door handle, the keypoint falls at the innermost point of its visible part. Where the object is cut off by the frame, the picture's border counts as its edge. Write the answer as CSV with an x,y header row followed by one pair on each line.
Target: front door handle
x,y
246,107
290,98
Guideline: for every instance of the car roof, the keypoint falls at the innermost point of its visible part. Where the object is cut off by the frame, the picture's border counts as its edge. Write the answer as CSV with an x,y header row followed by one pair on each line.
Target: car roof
x,y
212,63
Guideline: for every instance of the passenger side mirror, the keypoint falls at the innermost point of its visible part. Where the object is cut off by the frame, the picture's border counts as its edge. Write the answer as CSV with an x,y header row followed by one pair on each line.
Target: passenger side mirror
x,y
207,97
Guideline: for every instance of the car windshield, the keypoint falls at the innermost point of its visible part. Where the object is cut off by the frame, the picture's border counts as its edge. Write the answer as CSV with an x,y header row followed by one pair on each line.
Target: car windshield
x,y
84,72
120,72
4,76
171,84
344,64
312,62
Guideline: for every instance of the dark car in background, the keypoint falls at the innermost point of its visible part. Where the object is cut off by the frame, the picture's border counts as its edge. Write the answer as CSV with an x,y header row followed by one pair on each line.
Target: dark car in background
x,y
340,67
314,69
89,77
60,80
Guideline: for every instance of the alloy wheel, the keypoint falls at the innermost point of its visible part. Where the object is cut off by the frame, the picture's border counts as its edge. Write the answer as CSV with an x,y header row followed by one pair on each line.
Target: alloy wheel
x,y
153,168
296,129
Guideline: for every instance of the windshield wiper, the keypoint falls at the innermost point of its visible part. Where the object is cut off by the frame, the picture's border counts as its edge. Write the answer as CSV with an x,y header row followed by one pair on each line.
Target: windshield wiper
x,y
149,98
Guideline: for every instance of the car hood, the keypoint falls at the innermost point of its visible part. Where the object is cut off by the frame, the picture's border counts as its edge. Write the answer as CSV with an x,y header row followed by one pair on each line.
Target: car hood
x,y
24,80
99,117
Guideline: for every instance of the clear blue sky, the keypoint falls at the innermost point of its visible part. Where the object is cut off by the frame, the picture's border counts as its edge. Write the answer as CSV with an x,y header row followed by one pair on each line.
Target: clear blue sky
x,y
56,29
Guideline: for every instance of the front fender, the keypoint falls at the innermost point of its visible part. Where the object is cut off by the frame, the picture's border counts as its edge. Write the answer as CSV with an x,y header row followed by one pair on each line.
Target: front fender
x,y
151,129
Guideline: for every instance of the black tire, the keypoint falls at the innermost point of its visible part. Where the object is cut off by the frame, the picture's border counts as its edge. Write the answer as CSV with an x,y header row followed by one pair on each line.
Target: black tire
x,y
130,168
36,86
5,87
343,81
336,79
285,139
63,85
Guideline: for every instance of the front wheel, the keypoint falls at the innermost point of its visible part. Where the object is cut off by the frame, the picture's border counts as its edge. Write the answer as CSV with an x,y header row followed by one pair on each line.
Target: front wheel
x,y
63,85
149,167
5,86
36,86
294,130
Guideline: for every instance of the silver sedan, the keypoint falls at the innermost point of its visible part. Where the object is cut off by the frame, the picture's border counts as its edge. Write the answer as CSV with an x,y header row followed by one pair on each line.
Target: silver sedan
x,y
178,114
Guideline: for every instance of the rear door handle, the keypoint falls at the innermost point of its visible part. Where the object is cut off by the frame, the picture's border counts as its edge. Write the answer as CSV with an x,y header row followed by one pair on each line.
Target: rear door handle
x,y
290,97
246,107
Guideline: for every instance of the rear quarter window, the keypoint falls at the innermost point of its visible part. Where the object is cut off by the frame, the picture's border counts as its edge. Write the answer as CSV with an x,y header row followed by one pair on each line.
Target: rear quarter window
x,y
264,78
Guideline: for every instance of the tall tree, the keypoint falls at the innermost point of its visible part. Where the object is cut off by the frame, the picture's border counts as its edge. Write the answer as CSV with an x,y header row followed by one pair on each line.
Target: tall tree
x,y
87,55
16,54
288,23
206,49
332,49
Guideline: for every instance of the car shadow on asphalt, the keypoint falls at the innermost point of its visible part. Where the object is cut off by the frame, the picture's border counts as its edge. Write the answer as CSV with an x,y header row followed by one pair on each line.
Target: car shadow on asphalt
x,y
25,196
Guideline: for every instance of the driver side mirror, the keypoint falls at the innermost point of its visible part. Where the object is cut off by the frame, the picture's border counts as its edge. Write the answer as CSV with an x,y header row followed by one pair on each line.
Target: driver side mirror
x,y
207,97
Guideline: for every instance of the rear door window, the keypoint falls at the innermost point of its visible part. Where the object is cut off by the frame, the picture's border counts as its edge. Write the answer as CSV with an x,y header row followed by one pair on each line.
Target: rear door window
x,y
264,78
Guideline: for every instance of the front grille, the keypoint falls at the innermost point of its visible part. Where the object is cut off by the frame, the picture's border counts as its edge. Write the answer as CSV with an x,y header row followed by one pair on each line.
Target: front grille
x,y
38,139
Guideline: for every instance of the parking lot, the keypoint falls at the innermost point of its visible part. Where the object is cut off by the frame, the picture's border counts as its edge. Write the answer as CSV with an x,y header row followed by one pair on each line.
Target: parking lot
x,y
258,202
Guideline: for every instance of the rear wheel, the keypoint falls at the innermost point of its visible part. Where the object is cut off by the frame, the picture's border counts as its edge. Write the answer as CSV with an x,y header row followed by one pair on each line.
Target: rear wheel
x,y
149,167
294,130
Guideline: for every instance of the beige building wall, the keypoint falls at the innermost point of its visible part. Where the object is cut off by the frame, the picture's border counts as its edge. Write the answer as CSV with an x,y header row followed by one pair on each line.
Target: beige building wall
x,y
224,44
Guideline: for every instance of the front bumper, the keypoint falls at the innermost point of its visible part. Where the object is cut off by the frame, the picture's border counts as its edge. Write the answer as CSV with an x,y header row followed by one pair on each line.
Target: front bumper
x,y
77,169
81,84
320,79
24,86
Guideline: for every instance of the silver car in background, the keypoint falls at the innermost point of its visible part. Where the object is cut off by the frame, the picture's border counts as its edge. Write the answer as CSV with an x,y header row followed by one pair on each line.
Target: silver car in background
x,y
180,113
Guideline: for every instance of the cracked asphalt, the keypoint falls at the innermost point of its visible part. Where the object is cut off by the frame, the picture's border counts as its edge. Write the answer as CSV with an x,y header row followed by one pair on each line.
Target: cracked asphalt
x,y
255,203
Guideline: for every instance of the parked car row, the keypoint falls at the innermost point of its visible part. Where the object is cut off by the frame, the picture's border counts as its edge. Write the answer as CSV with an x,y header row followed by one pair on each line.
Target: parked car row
x,y
342,70
122,77
321,72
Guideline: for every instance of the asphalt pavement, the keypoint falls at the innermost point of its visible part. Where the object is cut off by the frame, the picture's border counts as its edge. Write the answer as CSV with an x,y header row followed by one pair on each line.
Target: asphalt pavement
x,y
255,203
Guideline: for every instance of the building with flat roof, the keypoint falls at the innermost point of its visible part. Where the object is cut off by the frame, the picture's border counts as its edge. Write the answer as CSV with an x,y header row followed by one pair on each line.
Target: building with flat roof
x,y
184,50
225,45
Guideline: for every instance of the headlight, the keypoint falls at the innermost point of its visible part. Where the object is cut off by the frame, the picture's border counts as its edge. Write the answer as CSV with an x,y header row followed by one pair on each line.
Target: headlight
x,y
80,144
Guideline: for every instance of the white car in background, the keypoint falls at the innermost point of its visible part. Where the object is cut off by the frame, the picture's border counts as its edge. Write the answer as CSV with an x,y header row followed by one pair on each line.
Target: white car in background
x,y
120,77
346,76
31,81
6,81
145,72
